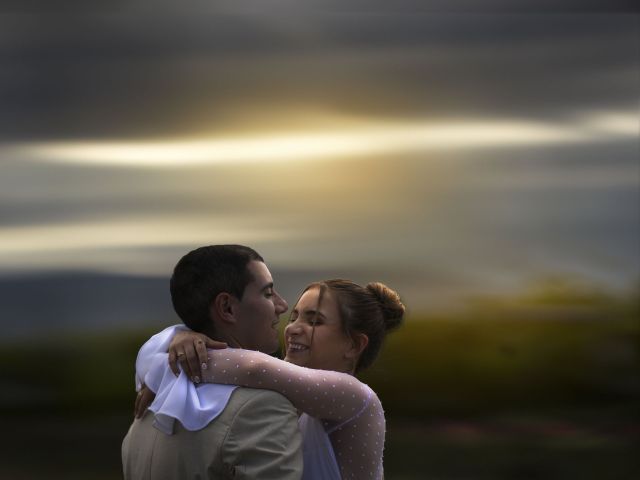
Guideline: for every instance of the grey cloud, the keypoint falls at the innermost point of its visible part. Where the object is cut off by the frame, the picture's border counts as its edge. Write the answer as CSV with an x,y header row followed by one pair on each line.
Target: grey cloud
x,y
33,193
135,75
314,6
42,194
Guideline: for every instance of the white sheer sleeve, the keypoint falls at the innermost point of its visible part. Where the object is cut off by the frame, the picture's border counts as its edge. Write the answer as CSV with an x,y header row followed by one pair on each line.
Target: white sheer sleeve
x,y
320,393
350,410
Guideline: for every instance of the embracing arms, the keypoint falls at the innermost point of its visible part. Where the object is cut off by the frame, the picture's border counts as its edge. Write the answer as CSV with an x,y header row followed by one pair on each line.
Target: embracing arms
x,y
347,406
325,394
320,393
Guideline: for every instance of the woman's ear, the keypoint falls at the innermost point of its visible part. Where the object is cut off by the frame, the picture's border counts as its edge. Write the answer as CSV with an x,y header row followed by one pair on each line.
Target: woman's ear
x,y
359,342
223,307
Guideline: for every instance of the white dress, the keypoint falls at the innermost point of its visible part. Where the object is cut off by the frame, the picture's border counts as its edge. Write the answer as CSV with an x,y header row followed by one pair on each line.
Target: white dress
x,y
343,424
317,452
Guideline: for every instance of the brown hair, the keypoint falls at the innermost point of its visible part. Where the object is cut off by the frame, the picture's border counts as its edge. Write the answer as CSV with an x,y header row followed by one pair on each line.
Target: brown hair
x,y
373,310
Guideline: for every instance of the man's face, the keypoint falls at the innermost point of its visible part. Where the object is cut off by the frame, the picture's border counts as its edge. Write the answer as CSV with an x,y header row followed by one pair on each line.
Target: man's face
x,y
257,314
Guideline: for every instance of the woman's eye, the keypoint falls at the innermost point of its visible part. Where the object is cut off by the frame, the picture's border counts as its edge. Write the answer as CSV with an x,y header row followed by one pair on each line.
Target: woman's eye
x,y
293,317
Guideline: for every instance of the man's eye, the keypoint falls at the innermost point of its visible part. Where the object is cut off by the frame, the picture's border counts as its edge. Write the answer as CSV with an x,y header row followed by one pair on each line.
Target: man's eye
x,y
268,293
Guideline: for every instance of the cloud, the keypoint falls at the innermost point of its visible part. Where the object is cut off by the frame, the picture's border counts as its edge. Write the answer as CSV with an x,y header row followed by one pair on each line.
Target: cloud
x,y
359,141
140,75
484,148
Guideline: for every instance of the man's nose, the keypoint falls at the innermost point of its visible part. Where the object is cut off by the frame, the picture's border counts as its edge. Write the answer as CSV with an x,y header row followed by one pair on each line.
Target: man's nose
x,y
281,304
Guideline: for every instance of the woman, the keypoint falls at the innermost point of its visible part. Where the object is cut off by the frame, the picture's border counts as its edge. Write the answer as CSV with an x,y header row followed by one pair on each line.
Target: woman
x,y
335,330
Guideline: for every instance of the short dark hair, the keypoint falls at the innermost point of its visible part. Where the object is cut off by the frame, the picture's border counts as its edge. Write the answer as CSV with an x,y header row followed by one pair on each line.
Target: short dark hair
x,y
202,274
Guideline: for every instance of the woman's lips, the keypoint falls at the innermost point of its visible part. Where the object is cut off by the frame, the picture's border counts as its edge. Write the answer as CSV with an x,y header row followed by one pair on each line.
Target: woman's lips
x,y
296,347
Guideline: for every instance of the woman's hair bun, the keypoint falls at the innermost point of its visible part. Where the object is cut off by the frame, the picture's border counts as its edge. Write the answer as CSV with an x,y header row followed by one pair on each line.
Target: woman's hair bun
x,y
390,304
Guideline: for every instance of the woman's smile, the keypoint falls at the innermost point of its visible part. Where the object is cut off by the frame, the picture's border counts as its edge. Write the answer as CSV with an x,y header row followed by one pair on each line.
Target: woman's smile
x,y
296,348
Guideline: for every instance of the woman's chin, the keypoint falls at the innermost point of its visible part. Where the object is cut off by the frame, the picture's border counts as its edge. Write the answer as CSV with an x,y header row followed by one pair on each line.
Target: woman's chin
x,y
295,359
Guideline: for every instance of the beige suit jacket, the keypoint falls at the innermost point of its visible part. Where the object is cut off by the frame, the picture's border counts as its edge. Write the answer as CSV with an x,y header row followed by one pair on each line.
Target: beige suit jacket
x,y
255,437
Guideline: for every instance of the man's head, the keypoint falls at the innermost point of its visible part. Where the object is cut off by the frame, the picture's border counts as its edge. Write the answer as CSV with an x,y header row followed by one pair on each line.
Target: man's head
x,y
226,291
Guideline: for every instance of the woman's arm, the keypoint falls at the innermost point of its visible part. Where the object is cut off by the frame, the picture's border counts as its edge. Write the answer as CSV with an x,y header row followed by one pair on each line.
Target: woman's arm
x,y
323,394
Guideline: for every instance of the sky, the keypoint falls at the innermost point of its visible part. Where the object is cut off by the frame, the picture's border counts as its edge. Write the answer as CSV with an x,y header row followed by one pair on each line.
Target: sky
x,y
445,147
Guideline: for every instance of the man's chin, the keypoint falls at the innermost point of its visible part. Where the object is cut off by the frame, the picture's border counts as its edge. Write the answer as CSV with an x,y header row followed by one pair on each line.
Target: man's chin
x,y
273,348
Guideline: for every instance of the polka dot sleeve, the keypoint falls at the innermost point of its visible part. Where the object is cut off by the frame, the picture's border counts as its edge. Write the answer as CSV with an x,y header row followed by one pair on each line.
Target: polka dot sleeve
x,y
350,410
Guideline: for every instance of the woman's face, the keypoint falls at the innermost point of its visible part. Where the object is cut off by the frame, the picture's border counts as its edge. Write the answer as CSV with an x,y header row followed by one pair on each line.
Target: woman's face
x,y
329,345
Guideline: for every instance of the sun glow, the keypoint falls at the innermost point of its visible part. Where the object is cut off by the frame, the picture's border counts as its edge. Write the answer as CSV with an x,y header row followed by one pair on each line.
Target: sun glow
x,y
363,140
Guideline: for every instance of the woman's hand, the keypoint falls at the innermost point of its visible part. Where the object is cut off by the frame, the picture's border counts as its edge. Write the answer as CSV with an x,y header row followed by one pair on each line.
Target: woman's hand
x,y
190,350
143,400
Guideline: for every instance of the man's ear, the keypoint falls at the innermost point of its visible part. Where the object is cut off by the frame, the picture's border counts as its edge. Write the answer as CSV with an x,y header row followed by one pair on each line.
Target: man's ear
x,y
223,307
359,342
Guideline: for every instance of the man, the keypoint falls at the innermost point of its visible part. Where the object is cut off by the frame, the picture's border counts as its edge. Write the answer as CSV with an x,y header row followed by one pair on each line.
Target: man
x,y
225,292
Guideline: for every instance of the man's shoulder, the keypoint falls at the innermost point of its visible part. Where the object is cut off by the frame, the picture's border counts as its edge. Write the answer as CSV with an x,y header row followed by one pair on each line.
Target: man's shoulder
x,y
250,415
244,405
256,398
255,427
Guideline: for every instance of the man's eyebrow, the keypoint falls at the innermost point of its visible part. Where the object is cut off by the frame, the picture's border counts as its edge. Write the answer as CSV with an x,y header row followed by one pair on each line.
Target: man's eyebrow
x,y
267,287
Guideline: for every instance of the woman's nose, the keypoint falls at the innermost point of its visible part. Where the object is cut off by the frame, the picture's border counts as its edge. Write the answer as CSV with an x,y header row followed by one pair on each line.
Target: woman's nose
x,y
293,328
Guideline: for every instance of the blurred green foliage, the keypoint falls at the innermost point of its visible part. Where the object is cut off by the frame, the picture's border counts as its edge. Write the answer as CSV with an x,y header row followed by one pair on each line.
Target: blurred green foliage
x,y
74,373
558,344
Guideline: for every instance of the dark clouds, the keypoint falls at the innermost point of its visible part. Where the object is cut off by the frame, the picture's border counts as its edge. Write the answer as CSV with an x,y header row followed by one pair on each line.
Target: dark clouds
x,y
97,75
334,6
